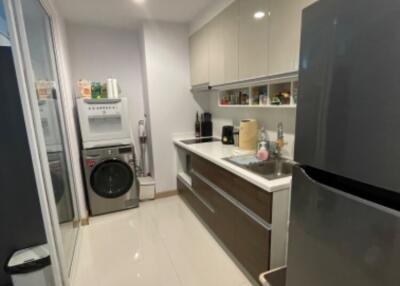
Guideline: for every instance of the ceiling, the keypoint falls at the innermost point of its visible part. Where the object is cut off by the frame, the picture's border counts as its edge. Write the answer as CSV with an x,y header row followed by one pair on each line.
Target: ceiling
x,y
129,13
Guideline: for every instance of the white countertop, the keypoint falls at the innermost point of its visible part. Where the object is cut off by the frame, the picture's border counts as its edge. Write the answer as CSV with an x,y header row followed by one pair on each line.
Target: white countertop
x,y
216,151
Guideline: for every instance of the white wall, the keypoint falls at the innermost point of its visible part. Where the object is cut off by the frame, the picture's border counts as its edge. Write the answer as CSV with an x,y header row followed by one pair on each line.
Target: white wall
x,y
269,118
170,104
98,53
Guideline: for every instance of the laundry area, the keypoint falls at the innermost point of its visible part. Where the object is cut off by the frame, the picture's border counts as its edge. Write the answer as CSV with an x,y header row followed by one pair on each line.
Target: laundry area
x,y
108,156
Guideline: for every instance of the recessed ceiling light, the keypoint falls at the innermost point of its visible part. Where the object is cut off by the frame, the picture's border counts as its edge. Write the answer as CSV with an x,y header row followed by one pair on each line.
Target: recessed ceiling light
x,y
259,15
139,1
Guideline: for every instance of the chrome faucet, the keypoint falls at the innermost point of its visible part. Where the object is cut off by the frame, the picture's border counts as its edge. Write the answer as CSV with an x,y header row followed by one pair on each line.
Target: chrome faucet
x,y
275,147
280,139
280,135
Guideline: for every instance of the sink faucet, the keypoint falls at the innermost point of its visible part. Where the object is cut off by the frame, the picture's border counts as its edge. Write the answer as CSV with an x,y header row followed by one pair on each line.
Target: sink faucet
x,y
277,146
280,139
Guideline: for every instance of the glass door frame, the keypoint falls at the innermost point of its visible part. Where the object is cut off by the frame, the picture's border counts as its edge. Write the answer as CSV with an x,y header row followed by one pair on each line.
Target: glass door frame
x,y
65,135
38,150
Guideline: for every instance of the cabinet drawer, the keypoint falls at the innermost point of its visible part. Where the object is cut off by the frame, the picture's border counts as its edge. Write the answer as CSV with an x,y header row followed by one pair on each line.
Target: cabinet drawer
x,y
225,222
196,203
205,192
245,237
252,245
254,198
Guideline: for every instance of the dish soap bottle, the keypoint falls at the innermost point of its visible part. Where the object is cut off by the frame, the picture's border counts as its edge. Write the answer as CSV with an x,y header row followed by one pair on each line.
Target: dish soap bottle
x,y
262,150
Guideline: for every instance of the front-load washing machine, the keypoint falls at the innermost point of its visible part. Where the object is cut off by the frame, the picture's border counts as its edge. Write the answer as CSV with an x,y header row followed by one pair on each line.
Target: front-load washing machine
x,y
111,181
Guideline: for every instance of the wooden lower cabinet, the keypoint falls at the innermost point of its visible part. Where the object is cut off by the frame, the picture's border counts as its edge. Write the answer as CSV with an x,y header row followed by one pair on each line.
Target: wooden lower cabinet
x,y
255,199
225,221
252,245
197,204
221,222
246,239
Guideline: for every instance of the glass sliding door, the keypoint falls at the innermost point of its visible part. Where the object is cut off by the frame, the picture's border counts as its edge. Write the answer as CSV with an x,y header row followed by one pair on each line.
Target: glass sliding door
x,y
35,34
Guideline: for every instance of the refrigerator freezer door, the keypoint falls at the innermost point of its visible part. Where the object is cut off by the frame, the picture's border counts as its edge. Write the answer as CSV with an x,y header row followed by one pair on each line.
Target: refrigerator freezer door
x,y
339,239
348,115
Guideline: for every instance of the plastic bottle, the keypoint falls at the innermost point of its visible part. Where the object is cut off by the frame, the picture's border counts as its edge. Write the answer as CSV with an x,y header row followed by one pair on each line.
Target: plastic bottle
x,y
262,150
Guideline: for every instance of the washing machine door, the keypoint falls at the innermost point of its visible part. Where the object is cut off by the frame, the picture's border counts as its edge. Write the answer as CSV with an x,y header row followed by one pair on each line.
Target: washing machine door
x,y
112,179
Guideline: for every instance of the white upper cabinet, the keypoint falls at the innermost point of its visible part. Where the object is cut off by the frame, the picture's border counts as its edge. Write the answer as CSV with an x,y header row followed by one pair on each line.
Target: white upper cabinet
x,y
216,52
224,38
253,38
230,28
249,39
199,56
284,35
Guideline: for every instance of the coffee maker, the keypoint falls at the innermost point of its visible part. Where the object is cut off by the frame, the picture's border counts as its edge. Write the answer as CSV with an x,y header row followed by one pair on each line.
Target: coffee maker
x,y
227,137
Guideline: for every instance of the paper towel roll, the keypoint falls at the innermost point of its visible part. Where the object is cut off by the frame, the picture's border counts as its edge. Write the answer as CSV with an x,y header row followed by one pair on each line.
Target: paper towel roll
x,y
115,88
110,88
248,134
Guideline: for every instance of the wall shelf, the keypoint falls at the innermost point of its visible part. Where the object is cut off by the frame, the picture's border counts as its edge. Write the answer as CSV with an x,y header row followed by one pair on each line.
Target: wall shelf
x,y
268,94
286,106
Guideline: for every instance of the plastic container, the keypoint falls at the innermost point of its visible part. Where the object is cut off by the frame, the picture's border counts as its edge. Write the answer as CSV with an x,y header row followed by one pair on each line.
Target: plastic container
x,y
85,88
147,188
96,90
31,267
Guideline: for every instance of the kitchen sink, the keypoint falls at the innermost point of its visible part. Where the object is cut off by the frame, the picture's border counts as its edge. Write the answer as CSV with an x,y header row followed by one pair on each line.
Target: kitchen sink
x,y
271,169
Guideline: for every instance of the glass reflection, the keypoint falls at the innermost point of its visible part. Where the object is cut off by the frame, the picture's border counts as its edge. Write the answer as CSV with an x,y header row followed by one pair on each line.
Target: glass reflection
x,y
40,42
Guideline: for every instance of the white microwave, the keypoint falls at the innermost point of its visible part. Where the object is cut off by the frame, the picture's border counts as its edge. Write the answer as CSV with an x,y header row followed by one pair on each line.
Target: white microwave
x,y
104,122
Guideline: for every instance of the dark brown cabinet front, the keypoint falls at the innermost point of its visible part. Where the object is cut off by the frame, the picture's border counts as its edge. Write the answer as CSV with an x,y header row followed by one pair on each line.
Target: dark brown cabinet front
x,y
246,238
225,221
196,203
252,247
255,199
206,196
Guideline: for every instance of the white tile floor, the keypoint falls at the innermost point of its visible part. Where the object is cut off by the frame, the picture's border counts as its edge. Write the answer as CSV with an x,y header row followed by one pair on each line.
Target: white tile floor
x,y
161,243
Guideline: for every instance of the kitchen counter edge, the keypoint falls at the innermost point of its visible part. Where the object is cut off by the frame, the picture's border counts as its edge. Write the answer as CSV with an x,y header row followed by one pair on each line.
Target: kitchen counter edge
x,y
267,185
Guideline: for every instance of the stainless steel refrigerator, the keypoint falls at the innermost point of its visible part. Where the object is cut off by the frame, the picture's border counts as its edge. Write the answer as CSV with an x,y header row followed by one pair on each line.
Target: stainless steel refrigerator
x,y
345,219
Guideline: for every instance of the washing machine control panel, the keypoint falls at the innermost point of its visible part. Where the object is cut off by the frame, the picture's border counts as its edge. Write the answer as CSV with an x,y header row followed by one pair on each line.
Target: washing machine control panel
x,y
112,152
124,153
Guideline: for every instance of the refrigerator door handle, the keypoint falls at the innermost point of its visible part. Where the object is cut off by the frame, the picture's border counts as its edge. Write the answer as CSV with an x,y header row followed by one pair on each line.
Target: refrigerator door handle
x,y
352,189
